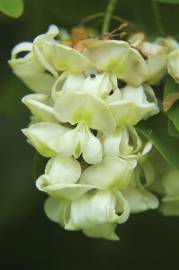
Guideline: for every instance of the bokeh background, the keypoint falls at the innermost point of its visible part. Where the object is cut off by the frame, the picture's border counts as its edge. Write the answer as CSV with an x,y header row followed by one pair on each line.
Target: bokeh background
x,y
28,240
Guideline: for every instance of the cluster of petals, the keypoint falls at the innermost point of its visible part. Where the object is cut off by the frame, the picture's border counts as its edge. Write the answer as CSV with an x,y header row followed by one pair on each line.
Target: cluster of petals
x,y
84,121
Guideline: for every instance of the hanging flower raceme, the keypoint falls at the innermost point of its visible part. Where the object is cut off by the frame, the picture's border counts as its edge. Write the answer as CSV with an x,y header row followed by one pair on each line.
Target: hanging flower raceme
x,y
88,99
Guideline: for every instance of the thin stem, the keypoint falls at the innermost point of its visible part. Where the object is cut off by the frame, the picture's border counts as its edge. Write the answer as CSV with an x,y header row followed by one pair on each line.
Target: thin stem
x,y
99,16
108,15
157,17
92,17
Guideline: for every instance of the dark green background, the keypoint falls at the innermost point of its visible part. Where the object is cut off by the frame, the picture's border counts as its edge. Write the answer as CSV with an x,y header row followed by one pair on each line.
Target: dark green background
x,y
28,240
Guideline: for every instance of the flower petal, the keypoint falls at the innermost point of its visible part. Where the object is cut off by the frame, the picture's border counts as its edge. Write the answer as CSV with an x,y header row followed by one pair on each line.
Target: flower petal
x,y
62,190
41,51
80,140
57,210
133,106
123,142
72,142
106,231
40,107
92,150
119,58
62,170
157,67
29,70
45,137
122,207
67,58
111,172
84,108
67,82
92,209
140,199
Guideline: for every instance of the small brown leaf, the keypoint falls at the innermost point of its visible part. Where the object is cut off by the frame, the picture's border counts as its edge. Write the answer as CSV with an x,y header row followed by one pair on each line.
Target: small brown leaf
x,y
169,101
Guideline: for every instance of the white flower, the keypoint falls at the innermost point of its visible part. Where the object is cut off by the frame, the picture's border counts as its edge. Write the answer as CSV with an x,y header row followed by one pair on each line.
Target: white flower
x,y
83,120
103,207
78,203
97,214
61,179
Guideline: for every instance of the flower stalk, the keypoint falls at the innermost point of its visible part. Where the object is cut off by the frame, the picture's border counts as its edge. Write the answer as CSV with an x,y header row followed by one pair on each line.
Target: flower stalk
x,y
108,15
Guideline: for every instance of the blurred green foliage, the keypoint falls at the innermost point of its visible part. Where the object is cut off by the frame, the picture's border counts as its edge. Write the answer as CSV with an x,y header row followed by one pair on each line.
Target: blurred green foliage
x,y
12,8
28,240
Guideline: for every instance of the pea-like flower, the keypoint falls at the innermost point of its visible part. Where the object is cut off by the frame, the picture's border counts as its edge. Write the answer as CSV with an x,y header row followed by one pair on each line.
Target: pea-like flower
x,y
88,99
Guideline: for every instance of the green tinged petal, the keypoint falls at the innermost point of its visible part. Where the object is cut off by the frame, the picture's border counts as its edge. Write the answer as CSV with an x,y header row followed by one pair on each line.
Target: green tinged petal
x,y
62,190
67,58
106,231
84,108
40,106
136,194
41,51
157,68
109,173
57,210
29,70
45,137
35,69
132,105
119,58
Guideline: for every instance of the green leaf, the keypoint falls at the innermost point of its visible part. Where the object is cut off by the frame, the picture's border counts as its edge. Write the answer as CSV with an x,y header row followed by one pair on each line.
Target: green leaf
x,y
173,114
168,1
172,131
156,130
13,8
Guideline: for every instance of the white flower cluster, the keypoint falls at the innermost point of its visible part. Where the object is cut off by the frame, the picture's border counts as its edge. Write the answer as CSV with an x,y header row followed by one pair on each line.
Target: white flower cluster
x,y
86,105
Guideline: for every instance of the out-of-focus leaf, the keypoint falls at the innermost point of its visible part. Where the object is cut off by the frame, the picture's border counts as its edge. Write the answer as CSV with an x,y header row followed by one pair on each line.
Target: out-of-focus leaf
x,y
172,87
13,8
168,1
172,130
156,130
